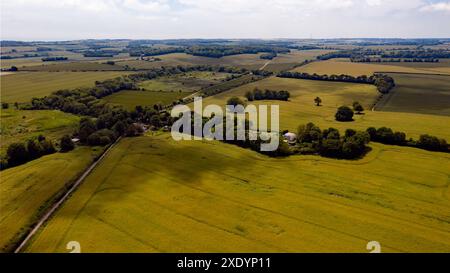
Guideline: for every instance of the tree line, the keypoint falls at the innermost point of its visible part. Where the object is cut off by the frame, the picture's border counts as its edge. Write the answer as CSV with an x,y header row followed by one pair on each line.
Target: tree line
x,y
99,53
268,56
419,54
384,83
212,51
330,143
360,54
102,123
54,59
392,60
258,94
21,152
388,136
149,51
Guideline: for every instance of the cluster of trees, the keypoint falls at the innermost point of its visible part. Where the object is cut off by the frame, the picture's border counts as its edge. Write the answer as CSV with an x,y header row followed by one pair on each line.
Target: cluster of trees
x,y
268,56
151,51
255,145
263,73
258,94
54,59
338,54
329,142
43,49
83,101
384,83
11,69
218,51
19,153
388,136
418,54
345,113
26,55
305,47
380,55
99,53
99,132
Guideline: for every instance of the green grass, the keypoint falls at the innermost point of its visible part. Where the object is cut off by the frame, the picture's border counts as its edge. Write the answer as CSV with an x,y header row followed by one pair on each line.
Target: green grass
x,y
22,87
20,125
428,94
25,190
131,99
300,109
186,82
152,194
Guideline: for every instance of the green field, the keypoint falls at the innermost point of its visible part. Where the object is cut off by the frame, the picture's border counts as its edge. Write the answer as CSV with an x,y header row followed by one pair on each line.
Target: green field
x,y
186,82
300,109
25,189
428,94
20,125
75,66
22,87
131,98
152,194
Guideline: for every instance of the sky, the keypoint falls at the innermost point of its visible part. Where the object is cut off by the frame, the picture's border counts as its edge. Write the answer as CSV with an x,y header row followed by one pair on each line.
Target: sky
x,y
167,19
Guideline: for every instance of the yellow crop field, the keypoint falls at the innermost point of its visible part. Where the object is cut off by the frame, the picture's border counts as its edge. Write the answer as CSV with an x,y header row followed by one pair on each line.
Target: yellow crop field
x,y
343,66
26,190
22,87
153,194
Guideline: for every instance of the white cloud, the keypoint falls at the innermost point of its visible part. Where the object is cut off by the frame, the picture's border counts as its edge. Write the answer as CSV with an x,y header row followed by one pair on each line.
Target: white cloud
x,y
70,19
442,6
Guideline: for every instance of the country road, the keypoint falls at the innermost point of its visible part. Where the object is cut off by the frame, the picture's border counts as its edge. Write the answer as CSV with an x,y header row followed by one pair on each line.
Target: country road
x,y
55,206
264,66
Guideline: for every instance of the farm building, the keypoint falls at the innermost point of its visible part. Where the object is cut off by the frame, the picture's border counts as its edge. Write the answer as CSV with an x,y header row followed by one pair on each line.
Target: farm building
x,y
290,138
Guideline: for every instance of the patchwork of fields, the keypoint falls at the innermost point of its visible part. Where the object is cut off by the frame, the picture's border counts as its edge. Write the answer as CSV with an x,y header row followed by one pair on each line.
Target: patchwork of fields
x,y
152,194
301,109
248,61
165,90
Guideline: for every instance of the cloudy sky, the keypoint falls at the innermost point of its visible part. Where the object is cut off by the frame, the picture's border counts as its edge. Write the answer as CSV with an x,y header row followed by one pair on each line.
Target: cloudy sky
x,y
157,19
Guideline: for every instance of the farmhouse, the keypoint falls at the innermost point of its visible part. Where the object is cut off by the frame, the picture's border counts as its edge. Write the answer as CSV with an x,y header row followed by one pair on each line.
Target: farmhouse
x,y
290,138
